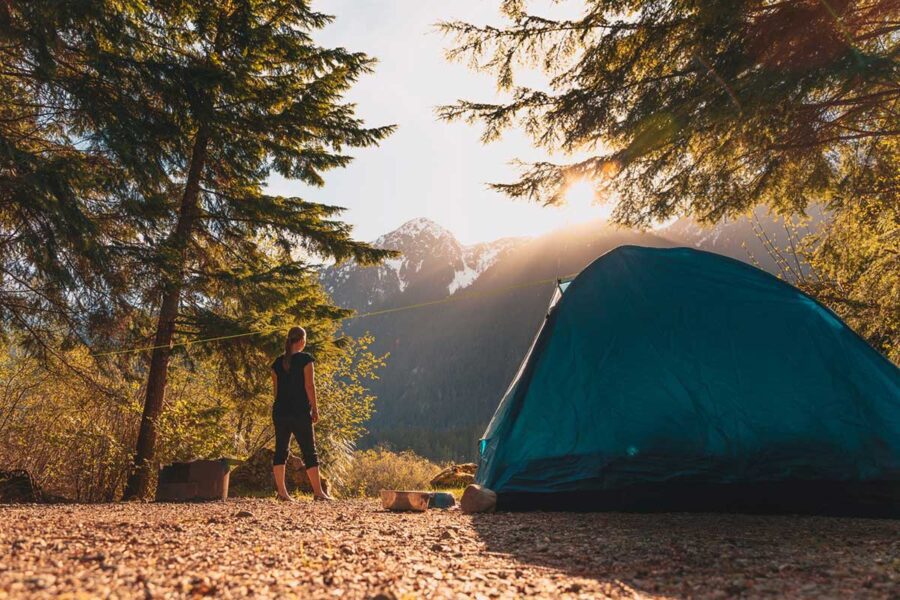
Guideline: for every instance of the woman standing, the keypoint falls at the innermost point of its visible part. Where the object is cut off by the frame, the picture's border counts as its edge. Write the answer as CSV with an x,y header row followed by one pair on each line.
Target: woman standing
x,y
294,411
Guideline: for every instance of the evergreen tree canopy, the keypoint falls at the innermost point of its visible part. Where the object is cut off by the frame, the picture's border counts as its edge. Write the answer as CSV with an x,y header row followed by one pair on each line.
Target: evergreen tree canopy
x,y
703,107
709,108
193,105
58,215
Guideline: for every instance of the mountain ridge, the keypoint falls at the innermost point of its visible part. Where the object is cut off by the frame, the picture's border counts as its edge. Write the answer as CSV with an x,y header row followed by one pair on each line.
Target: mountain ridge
x,y
431,256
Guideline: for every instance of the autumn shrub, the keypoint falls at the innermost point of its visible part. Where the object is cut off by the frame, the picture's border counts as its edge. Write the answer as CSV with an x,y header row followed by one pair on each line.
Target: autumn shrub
x,y
70,428
369,471
72,423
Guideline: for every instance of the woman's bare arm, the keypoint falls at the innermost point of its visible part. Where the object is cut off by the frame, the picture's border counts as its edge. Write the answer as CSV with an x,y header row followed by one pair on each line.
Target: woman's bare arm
x,y
310,383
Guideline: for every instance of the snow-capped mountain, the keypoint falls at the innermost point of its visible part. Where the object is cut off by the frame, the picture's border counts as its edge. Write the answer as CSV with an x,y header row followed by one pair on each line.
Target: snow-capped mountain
x,y
433,264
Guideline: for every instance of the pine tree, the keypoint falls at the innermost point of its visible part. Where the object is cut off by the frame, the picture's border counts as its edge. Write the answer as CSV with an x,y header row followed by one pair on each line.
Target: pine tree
x,y
709,109
59,220
196,103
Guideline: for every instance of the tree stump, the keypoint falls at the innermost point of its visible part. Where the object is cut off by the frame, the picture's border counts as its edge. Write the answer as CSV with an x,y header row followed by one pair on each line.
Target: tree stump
x,y
17,487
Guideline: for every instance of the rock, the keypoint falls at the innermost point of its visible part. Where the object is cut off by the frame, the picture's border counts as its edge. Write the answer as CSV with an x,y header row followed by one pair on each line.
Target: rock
x,y
455,476
255,475
477,499
441,500
243,514
17,487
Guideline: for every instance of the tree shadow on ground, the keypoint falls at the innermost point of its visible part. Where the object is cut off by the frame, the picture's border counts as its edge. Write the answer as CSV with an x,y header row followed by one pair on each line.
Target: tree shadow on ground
x,y
682,554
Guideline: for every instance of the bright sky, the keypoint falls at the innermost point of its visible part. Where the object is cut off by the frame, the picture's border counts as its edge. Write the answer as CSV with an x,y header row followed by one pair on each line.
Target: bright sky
x,y
428,168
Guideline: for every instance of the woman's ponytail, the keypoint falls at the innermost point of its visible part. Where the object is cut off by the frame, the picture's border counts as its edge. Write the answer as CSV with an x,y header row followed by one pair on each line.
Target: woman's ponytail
x,y
294,335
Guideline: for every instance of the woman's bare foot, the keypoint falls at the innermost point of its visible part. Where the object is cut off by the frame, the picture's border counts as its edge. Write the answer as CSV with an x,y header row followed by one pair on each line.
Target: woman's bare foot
x,y
323,497
285,498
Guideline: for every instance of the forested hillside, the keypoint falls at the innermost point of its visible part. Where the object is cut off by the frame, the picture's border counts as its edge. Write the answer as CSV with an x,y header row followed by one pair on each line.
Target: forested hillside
x,y
770,242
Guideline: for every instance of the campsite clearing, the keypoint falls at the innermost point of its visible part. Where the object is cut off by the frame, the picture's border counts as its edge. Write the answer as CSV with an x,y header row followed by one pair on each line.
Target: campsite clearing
x,y
355,549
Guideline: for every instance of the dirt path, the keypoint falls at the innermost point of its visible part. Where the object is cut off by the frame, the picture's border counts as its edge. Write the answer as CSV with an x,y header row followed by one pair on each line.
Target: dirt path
x,y
354,549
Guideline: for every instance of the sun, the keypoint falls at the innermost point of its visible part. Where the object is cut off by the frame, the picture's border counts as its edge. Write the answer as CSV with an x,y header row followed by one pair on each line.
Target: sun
x,y
580,195
583,203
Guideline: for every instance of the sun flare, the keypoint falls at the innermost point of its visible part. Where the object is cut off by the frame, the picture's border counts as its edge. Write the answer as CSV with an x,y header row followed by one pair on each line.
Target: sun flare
x,y
583,203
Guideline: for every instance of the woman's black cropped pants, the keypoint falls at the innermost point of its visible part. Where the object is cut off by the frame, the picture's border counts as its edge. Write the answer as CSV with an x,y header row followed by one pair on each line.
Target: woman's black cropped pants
x,y
300,428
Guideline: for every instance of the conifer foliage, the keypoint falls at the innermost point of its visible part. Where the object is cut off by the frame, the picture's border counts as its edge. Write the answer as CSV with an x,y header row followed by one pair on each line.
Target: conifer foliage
x,y
159,123
709,108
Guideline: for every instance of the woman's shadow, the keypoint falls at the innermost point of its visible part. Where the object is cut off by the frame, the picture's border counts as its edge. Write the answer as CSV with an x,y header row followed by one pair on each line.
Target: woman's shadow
x,y
684,554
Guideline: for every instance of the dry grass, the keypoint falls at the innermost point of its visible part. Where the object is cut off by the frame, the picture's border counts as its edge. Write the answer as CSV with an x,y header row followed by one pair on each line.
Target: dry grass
x,y
369,471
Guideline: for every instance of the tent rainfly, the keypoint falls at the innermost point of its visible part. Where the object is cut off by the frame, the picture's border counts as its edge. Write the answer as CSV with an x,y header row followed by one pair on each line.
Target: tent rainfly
x,y
675,379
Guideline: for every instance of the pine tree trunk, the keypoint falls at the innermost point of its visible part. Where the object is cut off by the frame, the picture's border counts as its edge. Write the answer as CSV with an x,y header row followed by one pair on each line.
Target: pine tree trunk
x,y
138,484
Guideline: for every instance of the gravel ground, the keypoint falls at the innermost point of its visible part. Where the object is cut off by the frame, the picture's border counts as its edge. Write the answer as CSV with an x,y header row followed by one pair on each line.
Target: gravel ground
x,y
354,549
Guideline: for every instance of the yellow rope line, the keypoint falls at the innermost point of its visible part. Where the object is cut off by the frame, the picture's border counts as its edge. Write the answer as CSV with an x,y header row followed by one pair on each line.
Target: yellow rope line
x,y
445,300
187,343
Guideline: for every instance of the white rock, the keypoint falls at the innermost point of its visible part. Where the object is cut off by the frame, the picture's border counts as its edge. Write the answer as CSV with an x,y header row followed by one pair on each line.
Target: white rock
x,y
477,499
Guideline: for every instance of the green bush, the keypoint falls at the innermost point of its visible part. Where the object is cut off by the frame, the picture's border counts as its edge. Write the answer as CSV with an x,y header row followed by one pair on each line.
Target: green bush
x,y
369,471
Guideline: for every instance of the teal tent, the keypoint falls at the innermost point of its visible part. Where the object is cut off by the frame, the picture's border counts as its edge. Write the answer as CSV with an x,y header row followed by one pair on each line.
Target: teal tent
x,y
675,379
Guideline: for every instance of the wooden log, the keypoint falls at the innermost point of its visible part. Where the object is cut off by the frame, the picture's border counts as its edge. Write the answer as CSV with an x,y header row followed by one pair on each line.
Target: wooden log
x,y
455,476
399,500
